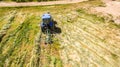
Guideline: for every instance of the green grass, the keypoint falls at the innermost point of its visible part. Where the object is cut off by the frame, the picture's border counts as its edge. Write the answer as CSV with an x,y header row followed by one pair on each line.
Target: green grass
x,y
20,46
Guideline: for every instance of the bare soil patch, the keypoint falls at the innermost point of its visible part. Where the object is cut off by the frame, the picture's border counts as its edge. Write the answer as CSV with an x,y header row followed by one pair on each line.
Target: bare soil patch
x,y
112,8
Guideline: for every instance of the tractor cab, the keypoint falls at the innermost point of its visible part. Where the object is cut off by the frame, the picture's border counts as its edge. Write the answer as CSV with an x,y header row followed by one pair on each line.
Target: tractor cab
x,y
46,18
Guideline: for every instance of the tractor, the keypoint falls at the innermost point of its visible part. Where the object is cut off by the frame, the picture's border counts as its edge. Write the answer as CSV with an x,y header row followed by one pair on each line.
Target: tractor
x,y
47,27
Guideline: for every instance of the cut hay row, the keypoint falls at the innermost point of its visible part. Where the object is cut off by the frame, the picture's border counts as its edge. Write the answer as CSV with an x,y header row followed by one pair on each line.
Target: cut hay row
x,y
4,29
10,36
22,62
35,59
7,15
84,48
19,35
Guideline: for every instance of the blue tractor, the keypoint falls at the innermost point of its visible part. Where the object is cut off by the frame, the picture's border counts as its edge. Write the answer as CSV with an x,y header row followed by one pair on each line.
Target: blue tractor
x,y
47,23
47,26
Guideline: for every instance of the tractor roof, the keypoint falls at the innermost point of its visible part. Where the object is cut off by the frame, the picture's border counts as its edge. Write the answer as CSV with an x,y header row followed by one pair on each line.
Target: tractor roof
x,y
45,16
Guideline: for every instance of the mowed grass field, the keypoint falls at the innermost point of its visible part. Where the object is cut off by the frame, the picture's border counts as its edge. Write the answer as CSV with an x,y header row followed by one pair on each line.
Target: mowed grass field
x,y
86,40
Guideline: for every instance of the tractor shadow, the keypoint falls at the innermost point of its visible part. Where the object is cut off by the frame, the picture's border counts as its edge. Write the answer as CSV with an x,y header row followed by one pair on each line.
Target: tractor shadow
x,y
57,30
